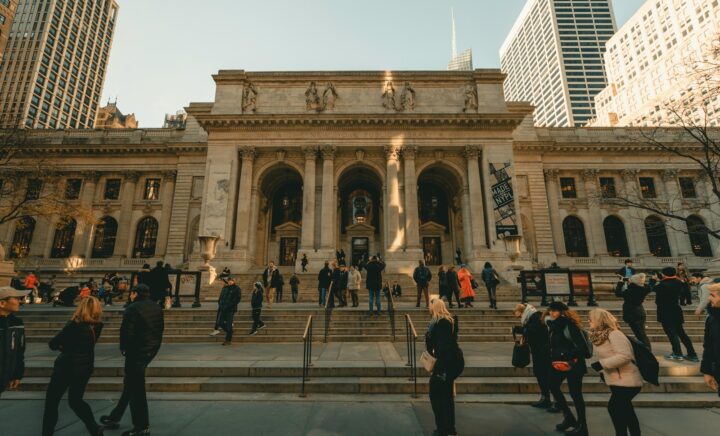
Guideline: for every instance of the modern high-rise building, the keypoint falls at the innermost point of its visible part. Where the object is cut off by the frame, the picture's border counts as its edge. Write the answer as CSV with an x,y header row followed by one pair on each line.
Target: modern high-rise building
x,y
553,58
55,63
7,13
462,61
660,56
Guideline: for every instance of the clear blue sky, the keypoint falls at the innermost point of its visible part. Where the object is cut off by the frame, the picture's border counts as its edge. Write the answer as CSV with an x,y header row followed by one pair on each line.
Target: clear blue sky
x,y
164,51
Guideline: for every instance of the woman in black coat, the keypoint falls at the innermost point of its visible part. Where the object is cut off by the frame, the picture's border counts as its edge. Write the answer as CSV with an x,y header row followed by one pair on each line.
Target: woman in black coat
x,y
453,286
633,310
443,286
74,366
536,335
441,343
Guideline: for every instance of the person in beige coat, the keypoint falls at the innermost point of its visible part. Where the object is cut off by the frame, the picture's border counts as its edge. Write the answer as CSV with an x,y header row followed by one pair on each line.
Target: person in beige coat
x,y
615,362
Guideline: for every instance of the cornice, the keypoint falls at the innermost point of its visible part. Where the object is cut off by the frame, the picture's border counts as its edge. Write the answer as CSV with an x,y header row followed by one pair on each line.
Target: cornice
x,y
115,149
494,76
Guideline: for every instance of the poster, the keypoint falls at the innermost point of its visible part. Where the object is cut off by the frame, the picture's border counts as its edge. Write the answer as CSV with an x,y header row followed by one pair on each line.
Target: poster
x,y
581,283
188,282
503,200
557,283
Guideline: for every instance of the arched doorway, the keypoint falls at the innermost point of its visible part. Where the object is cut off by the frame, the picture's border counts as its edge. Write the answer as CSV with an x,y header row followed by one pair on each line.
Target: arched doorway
x,y
360,215
657,237
575,241
698,233
615,237
439,209
280,215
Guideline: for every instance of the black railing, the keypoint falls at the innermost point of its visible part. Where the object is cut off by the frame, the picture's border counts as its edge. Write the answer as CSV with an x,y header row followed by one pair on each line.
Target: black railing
x,y
391,314
328,314
307,353
411,337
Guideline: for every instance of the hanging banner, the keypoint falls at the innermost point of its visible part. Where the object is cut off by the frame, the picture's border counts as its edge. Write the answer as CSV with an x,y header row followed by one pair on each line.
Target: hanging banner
x,y
503,200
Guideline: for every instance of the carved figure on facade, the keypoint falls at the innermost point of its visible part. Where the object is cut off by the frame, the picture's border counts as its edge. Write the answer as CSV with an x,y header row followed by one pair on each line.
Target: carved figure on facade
x,y
329,97
407,98
392,152
471,98
249,98
389,96
312,99
313,102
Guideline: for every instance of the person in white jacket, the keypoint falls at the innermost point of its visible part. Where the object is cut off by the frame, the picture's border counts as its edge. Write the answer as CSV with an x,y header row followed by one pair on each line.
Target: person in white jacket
x,y
354,283
615,361
704,285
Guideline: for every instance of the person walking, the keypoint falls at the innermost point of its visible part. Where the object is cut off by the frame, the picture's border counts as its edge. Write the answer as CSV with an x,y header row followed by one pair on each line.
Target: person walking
x,y
256,302
74,366
324,279
304,262
141,334
684,277
422,277
467,294
336,286
453,285
633,310
230,297
442,285
670,315
344,285
703,285
373,283
159,284
710,365
12,338
616,363
396,290
294,284
354,283
441,343
536,335
568,350
491,278
271,280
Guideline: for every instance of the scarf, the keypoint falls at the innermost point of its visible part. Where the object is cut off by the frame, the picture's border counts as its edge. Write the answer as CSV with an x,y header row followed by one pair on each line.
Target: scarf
x,y
529,310
599,336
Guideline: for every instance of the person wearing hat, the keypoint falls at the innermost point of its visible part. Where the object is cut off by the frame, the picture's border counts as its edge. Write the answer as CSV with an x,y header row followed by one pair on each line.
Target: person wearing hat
x,y
141,334
12,338
670,315
227,306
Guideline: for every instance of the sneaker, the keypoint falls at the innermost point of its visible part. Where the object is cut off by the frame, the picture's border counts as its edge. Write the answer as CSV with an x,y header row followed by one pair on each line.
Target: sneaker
x,y
109,423
215,333
135,432
567,424
262,326
676,357
253,333
692,358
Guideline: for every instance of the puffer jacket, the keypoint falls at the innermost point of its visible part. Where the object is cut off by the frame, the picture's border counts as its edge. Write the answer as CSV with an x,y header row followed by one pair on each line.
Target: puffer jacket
x,y
76,343
12,350
142,328
616,357
634,297
567,346
229,298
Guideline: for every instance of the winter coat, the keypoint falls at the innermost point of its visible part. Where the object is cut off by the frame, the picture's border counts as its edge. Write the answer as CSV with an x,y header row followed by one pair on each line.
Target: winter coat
x,y
230,296
12,350
294,282
422,275
142,328
711,346
441,342
272,280
76,343
704,294
324,277
490,277
339,279
616,357
537,337
354,280
564,349
634,297
621,272
667,298
453,284
465,279
442,279
159,283
256,301
373,278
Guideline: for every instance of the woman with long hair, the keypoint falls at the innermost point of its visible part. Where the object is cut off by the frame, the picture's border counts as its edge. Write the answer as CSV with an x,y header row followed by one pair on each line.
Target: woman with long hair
x,y
74,366
536,336
443,285
615,360
441,343
569,348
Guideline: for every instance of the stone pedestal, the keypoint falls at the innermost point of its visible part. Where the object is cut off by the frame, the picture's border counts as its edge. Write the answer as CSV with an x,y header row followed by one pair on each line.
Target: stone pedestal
x,y
7,272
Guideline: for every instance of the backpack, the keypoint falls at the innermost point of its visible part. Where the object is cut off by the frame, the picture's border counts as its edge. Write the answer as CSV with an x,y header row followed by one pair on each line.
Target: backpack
x,y
645,361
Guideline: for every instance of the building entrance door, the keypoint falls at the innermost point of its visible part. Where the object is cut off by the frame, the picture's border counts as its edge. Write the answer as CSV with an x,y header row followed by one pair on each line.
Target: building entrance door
x,y
360,250
432,251
288,251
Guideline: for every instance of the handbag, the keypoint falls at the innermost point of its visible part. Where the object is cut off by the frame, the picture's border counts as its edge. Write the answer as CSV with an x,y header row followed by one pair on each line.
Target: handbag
x,y
427,361
562,365
521,353
474,284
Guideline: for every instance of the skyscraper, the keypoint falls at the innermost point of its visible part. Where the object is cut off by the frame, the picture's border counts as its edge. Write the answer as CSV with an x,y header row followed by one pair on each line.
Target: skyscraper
x,y
55,63
463,61
553,58
7,13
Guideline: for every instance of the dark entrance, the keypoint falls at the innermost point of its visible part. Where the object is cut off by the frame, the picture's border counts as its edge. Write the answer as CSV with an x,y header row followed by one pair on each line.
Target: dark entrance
x,y
288,251
432,251
360,250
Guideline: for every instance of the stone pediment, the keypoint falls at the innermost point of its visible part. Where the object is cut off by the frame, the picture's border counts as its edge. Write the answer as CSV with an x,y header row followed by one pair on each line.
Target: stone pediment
x,y
289,228
431,227
360,228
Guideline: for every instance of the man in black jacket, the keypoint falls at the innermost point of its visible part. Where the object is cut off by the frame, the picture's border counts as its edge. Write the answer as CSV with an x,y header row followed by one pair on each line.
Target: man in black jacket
x,y
336,286
670,315
272,280
373,283
324,279
453,286
159,283
422,277
12,338
710,366
256,301
227,306
141,334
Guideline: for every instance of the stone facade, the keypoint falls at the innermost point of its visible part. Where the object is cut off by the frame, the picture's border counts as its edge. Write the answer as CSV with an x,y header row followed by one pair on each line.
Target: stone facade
x,y
404,164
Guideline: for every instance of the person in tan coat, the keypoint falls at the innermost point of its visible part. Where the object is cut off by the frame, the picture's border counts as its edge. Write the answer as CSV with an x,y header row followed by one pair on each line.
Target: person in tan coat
x,y
615,362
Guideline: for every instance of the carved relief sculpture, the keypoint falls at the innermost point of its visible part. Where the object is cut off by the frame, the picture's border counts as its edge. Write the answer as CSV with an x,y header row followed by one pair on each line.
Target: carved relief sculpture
x,y
249,98
389,96
312,99
329,97
407,98
471,98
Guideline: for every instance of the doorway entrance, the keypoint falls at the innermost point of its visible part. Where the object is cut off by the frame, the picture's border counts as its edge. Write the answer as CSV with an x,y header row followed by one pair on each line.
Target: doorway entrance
x,y
360,250
432,250
288,251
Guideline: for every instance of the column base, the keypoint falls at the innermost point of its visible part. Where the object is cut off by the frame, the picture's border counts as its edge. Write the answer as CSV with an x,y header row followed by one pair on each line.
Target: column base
x,y
7,272
403,262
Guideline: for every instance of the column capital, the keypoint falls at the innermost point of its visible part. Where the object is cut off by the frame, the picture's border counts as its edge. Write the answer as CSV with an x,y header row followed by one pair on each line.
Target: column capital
x,y
551,174
668,175
310,152
248,153
472,151
409,152
590,174
132,176
629,174
93,176
328,151
392,152
170,175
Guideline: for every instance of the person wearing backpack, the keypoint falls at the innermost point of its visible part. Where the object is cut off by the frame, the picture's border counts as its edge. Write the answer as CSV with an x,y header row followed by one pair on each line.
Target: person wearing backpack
x,y
569,347
633,311
616,362
491,279
422,277
535,334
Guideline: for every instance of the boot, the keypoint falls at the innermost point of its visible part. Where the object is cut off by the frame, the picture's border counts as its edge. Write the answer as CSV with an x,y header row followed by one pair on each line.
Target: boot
x,y
579,430
544,403
568,423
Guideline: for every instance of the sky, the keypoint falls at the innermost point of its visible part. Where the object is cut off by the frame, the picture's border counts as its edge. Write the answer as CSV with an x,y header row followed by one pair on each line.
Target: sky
x,y
165,51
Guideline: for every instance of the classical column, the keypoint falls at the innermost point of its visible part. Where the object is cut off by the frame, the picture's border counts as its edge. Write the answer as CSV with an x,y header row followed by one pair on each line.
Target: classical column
x,y
634,229
84,245
329,205
595,223
253,225
678,240
392,198
122,246
307,239
553,188
467,224
168,193
412,219
477,209
242,230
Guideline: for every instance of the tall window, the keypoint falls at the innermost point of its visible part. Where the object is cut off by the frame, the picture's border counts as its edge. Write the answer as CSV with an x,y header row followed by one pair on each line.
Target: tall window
x,y
22,238
698,233
64,238
615,237
33,189
112,189
72,189
647,187
567,187
152,189
607,187
105,233
146,237
657,237
687,187
575,242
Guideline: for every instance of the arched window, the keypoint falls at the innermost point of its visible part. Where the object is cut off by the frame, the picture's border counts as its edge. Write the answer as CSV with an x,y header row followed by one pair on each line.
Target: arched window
x,y
146,237
22,238
64,237
615,237
698,233
105,233
575,242
657,237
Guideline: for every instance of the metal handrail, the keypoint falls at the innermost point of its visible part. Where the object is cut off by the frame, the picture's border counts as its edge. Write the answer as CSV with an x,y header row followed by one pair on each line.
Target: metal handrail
x,y
391,314
328,312
411,337
307,353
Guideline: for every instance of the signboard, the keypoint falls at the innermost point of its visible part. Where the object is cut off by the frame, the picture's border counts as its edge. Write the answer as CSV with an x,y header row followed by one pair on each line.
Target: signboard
x,y
503,200
581,283
557,283
187,283
531,282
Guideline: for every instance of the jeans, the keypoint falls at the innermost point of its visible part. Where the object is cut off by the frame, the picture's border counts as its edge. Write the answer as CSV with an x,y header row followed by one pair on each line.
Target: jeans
x,y
336,293
354,296
491,289
622,411
676,333
574,378
322,292
225,321
443,404
422,289
134,392
257,322
278,294
638,329
65,379
374,296
270,297
685,294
